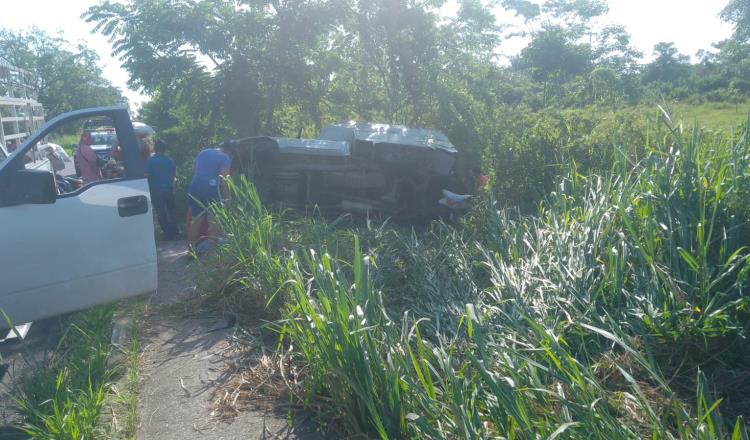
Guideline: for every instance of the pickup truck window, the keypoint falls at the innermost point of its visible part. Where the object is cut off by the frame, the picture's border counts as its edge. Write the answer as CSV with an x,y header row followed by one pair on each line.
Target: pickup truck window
x,y
97,156
103,139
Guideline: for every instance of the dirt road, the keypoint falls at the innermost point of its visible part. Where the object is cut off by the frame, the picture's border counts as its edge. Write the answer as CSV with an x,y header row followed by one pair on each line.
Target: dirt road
x,y
183,363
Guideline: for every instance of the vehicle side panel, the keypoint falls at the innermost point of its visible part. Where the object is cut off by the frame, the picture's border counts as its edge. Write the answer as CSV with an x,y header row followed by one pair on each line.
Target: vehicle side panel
x,y
76,251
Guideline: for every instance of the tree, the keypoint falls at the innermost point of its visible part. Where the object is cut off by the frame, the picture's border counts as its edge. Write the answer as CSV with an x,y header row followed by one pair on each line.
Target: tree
x,y
737,12
576,13
273,66
238,60
554,54
612,48
606,85
669,66
565,47
574,16
734,52
68,76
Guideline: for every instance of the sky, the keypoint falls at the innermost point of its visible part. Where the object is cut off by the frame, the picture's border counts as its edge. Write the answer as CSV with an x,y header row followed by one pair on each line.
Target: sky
x,y
691,24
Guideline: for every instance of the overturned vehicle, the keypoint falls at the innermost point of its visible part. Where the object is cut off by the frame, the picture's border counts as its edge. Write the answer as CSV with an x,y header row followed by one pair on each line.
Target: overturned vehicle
x,y
377,169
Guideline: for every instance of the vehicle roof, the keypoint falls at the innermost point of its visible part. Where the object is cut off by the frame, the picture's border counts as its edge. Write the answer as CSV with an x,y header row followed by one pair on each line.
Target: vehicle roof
x,y
390,134
142,129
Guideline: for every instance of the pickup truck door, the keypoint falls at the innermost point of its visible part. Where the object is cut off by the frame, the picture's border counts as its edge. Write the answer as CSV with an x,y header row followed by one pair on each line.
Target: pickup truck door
x,y
92,246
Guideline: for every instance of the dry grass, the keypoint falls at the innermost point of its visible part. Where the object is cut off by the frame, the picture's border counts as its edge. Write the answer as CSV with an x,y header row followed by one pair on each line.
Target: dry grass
x,y
257,384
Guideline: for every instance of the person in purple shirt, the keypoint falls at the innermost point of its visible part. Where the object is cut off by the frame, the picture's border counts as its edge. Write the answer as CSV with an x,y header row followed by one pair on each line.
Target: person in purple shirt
x,y
210,168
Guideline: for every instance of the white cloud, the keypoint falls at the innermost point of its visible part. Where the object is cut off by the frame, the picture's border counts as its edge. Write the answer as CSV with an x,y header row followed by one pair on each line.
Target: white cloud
x,y
65,16
691,24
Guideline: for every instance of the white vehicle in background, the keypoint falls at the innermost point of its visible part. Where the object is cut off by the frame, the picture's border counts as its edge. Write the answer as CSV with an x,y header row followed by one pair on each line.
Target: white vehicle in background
x,y
20,114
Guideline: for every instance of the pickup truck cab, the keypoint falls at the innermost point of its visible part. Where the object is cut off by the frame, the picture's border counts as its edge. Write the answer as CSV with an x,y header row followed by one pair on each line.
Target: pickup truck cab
x,y
65,252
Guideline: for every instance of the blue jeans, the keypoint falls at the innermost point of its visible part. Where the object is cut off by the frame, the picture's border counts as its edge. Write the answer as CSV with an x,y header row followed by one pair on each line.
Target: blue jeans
x,y
200,196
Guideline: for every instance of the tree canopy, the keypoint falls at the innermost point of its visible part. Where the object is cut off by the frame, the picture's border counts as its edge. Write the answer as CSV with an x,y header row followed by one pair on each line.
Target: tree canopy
x,y
737,12
68,75
243,67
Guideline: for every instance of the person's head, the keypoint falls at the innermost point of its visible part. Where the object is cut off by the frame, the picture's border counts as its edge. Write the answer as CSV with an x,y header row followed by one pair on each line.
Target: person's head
x,y
145,143
160,147
227,146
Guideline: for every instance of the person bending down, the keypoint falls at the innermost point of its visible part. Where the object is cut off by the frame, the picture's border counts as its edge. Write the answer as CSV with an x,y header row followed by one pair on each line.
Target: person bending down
x,y
210,168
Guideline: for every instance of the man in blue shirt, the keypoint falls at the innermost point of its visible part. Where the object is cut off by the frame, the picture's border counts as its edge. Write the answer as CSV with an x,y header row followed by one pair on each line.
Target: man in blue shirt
x,y
160,170
209,170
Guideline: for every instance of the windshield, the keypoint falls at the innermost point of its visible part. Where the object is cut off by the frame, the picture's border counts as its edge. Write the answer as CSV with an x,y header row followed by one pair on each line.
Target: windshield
x,y
103,139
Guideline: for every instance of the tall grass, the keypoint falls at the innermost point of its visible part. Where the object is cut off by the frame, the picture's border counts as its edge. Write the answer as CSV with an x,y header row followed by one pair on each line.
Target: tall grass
x,y
64,398
619,310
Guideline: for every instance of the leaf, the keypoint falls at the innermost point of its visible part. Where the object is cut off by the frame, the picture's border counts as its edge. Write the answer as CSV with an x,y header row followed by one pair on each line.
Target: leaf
x,y
687,258
562,428
740,430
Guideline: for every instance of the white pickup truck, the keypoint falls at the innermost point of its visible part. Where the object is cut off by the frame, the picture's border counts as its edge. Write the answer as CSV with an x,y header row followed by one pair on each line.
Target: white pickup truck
x,y
65,252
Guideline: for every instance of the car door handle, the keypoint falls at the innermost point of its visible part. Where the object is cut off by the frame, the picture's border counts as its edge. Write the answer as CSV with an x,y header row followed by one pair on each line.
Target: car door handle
x,y
130,206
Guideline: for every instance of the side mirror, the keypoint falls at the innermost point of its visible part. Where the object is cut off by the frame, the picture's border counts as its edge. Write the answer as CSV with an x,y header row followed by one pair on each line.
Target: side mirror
x,y
28,187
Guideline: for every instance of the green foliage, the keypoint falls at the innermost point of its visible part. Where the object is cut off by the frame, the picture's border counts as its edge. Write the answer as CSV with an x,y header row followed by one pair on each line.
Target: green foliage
x,y
290,65
737,12
616,310
669,66
254,236
553,54
63,399
69,76
217,69
599,288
